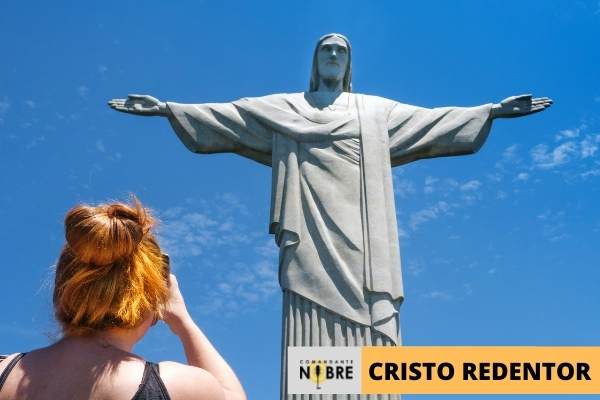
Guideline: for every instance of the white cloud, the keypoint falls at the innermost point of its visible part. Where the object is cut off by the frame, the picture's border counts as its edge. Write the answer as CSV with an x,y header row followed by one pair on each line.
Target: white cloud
x,y
402,233
568,133
547,157
510,153
403,187
544,215
430,183
522,176
35,141
509,158
30,103
544,158
268,249
228,203
430,213
187,233
415,268
438,295
445,187
468,289
589,146
233,267
242,287
495,177
100,146
82,91
4,106
452,183
102,69
591,172
553,225
470,185
558,238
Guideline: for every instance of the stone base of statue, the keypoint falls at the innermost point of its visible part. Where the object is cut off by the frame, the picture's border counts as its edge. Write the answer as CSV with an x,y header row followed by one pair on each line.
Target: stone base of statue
x,y
305,323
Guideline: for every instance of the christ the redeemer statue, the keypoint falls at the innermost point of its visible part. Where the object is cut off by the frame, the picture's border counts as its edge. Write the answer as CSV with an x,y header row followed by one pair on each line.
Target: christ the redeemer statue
x,y
332,203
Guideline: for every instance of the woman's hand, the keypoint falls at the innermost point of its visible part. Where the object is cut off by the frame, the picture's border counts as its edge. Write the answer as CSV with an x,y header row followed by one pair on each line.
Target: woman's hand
x,y
175,313
140,105
199,352
518,106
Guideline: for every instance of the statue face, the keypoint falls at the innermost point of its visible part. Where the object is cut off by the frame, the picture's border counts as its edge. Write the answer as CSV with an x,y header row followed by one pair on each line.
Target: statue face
x,y
332,58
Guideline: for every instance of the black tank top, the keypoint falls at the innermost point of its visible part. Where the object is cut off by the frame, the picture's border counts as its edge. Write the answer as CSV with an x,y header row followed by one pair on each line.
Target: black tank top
x,y
151,387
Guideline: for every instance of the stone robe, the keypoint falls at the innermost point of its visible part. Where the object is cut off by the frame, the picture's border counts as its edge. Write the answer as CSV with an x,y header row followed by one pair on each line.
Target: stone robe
x,y
332,203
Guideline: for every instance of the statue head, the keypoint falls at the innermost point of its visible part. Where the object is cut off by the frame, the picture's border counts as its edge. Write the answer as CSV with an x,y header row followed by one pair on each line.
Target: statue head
x,y
332,59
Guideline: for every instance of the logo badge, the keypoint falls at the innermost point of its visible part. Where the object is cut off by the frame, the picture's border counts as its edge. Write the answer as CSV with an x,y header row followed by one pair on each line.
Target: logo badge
x,y
324,370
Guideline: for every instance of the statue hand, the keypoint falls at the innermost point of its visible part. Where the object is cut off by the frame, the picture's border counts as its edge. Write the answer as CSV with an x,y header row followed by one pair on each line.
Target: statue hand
x,y
139,105
518,106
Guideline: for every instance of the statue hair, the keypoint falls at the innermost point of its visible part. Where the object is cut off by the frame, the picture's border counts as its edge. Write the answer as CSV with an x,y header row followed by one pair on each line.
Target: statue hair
x,y
314,76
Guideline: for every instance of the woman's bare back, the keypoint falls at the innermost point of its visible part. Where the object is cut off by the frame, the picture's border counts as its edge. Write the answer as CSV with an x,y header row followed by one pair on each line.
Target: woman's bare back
x,y
74,371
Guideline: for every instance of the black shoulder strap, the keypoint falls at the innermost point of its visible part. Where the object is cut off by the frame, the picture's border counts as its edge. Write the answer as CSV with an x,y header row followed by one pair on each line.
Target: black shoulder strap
x,y
160,385
151,387
140,392
9,368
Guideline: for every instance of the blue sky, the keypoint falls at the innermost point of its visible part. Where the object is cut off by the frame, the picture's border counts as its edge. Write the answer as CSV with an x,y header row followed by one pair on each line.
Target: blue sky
x,y
498,248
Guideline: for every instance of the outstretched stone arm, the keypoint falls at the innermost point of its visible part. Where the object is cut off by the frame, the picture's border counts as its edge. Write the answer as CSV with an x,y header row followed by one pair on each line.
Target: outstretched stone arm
x,y
416,133
219,128
207,128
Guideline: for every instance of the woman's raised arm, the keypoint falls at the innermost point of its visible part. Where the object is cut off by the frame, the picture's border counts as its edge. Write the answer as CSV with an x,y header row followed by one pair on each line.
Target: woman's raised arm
x,y
200,353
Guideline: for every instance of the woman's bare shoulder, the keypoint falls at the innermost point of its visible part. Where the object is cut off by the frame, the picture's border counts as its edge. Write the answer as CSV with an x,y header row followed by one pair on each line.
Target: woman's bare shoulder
x,y
5,360
185,382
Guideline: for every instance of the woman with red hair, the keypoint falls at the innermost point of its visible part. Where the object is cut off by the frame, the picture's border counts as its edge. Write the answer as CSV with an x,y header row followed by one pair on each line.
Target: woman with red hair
x,y
112,284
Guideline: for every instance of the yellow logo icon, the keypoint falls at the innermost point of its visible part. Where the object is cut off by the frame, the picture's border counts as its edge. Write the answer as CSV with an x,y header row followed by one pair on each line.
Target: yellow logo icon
x,y
317,372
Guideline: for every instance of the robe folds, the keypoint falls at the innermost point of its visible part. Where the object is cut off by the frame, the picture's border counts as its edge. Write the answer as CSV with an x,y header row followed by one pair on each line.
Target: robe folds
x,y
332,202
